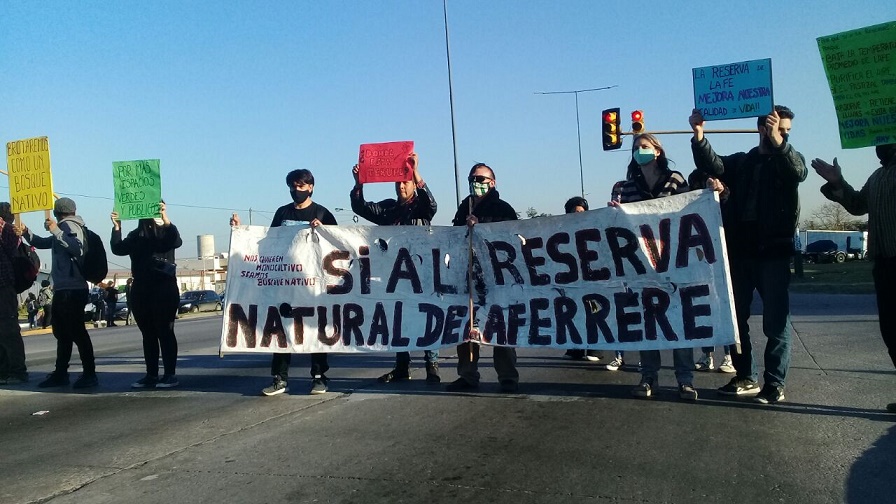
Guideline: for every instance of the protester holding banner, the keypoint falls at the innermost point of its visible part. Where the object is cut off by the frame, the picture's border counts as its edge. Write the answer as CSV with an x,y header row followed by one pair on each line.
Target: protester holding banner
x,y
301,210
153,295
578,204
414,206
12,349
876,199
765,208
70,298
649,177
699,180
484,204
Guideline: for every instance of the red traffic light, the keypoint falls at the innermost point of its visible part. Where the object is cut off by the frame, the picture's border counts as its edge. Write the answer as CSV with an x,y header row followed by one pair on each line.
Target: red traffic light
x,y
637,121
611,138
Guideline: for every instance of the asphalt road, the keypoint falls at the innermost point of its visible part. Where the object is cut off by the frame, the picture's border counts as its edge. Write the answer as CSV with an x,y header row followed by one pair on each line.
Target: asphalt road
x,y
572,434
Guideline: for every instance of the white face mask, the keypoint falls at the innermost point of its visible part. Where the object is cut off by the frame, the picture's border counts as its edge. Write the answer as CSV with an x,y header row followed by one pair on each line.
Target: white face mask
x,y
159,221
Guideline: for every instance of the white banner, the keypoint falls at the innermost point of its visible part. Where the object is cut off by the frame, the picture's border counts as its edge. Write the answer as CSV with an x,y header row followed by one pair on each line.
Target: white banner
x,y
649,275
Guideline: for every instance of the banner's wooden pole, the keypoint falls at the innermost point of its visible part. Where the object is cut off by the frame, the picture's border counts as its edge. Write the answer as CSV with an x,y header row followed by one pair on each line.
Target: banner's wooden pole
x,y
470,273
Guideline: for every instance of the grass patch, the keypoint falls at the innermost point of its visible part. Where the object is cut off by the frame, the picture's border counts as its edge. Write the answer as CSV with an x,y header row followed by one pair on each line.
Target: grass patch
x,y
851,277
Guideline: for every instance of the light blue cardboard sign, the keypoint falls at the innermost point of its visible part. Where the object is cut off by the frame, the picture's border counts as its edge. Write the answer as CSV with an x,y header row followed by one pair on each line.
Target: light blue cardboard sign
x,y
734,90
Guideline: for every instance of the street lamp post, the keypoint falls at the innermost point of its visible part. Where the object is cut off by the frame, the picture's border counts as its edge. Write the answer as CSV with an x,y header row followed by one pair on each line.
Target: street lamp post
x,y
578,129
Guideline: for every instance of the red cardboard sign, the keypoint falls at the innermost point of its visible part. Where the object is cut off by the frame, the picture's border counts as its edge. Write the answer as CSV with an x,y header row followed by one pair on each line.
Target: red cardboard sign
x,y
385,162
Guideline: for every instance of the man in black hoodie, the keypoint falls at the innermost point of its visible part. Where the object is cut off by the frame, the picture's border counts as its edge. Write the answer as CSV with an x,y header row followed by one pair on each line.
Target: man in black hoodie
x,y
764,209
414,206
483,205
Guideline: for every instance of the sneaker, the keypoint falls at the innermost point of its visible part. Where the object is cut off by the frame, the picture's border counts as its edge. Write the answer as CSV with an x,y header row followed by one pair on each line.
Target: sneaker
x,y
86,381
461,385
770,394
54,379
278,386
891,407
687,392
574,354
319,385
146,382
740,386
615,364
593,356
397,374
4,381
432,373
705,363
168,381
643,389
15,380
726,366
509,386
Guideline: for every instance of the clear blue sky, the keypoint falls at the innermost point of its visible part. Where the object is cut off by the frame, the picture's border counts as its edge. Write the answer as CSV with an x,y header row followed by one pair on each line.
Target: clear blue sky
x,y
232,95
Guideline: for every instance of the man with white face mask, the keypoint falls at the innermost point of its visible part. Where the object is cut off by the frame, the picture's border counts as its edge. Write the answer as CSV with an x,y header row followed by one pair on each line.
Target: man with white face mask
x,y
483,205
764,208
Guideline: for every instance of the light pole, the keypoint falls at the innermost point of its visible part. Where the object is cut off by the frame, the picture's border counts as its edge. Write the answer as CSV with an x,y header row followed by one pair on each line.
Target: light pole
x,y
578,129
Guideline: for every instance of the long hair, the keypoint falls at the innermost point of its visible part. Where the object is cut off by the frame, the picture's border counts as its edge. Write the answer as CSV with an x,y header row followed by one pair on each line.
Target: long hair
x,y
661,160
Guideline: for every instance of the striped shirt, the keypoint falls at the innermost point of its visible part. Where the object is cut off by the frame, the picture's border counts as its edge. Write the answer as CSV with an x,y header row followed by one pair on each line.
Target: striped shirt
x,y
877,198
635,188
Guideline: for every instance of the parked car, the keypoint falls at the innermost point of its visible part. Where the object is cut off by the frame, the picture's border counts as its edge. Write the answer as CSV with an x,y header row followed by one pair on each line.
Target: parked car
x,y
201,300
90,310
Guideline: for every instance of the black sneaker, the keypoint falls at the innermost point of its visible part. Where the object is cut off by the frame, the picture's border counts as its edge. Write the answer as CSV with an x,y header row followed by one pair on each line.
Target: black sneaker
x,y
54,379
461,385
278,386
891,407
509,386
574,354
397,374
770,394
319,385
168,381
86,381
740,386
146,382
16,380
432,373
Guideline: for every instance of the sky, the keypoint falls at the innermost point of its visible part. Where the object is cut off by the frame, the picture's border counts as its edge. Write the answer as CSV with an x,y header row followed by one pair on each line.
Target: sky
x,y
231,96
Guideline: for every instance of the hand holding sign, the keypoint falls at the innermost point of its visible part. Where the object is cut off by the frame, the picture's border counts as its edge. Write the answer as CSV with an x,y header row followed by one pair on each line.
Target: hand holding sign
x,y
772,122
696,122
385,162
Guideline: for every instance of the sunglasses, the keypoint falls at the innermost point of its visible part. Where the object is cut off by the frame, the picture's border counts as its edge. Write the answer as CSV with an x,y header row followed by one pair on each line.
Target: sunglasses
x,y
480,179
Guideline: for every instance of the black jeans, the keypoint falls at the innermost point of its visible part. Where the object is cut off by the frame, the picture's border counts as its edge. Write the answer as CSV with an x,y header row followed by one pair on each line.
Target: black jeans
x,y
884,274
280,364
12,349
69,330
155,308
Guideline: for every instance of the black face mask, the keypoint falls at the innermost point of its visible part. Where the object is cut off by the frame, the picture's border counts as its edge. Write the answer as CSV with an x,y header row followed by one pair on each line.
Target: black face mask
x,y
299,197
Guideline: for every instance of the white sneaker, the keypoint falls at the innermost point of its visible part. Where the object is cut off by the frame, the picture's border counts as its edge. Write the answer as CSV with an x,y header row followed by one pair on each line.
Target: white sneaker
x,y
705,363
727,366
615,364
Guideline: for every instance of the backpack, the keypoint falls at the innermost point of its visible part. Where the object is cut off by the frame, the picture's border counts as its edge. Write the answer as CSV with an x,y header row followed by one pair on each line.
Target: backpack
x,y
25,265
93,265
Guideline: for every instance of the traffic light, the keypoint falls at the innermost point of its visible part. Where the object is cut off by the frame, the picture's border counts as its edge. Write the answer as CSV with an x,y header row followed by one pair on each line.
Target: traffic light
x,y
637,122
612,139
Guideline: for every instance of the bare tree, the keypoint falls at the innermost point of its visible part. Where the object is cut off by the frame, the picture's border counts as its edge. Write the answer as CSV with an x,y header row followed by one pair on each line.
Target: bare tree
x,y
833,217
532,213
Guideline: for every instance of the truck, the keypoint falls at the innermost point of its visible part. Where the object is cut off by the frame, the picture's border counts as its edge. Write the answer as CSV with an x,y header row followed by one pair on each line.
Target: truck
x,y
820,245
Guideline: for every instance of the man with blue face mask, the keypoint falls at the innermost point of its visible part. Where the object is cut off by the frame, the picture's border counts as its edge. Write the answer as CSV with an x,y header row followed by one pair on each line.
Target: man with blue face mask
x,y
764,210
483,205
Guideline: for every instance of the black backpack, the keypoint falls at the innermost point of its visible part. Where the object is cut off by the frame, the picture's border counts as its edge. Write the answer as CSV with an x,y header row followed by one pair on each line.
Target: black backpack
x,y
25,265
93,264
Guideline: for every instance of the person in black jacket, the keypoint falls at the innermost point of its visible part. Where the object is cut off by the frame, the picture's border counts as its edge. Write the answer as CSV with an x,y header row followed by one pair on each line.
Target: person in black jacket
x,y
154,295
301,209
764,208
487,206
414,206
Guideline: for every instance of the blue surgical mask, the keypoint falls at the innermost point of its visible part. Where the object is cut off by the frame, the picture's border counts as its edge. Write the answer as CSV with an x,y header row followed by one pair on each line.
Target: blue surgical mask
x,y
644,156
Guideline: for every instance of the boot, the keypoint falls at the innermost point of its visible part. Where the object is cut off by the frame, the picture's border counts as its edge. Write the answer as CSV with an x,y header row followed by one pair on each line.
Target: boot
x,y
432,372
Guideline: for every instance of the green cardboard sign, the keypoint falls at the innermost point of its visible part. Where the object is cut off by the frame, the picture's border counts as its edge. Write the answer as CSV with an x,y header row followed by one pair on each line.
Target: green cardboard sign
x,y
861,70
138,188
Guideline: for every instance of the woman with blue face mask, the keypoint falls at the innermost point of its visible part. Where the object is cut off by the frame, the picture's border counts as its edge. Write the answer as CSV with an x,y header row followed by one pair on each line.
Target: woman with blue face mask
x,y
649,177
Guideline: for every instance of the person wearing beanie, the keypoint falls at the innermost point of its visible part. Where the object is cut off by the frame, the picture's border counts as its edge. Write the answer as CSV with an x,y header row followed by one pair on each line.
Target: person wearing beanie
x,y
875,198
66,240
12,348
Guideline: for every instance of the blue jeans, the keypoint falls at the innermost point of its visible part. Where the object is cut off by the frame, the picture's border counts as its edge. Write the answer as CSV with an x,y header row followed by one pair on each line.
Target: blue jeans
x,y
682,358
403,359
771,278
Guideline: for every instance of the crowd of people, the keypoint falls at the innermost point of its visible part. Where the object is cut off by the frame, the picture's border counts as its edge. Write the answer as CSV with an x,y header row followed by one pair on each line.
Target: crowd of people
x,y
758,191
